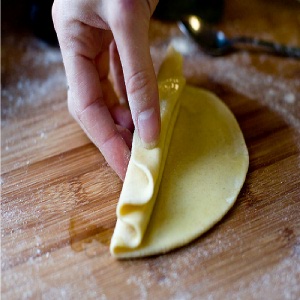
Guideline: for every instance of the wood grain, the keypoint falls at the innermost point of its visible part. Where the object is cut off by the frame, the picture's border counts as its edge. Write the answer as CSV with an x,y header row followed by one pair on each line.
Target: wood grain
x,y
59,196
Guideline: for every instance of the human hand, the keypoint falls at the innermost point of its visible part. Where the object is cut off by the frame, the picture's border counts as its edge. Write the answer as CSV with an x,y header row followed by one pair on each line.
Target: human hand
x,y
98,36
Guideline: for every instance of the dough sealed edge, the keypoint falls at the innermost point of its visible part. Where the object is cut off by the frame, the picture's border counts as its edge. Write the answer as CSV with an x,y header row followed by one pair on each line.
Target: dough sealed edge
x,y
162,236
146,166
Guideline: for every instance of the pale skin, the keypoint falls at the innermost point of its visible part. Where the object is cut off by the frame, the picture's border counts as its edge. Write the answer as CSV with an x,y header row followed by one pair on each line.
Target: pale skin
x,y
102,37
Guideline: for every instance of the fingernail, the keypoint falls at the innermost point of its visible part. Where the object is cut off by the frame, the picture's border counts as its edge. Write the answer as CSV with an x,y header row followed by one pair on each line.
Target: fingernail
x,y
148,127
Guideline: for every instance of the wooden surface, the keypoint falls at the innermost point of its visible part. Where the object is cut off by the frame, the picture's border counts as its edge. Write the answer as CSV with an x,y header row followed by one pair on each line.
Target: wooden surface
x,y
59,195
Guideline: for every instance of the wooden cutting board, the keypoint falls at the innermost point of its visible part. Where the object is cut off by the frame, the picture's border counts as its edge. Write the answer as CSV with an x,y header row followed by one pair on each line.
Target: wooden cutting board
x,y
59,196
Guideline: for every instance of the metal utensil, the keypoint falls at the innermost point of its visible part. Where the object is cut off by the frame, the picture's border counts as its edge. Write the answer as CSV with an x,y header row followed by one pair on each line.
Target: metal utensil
x,y
216,43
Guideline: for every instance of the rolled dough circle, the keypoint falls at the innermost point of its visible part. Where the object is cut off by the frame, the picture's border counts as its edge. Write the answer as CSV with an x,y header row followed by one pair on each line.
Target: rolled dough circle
x,y
204,172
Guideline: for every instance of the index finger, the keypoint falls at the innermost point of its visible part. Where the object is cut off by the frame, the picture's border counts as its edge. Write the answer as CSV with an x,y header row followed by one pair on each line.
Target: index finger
x,y
130,29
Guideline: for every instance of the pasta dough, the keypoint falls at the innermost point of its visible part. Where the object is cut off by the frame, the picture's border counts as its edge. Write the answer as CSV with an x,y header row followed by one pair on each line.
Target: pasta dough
x,y
178,190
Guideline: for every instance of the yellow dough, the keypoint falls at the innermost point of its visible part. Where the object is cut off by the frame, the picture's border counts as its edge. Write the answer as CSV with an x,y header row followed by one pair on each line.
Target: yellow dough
x,y
178,190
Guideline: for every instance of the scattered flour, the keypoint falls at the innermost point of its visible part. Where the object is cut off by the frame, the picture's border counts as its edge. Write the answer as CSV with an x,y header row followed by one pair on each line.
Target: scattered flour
x,y
290,98
281,95
275,92
20,90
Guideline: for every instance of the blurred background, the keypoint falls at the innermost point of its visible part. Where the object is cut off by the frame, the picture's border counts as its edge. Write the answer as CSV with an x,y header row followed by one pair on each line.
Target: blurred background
x,y
36,14
57,188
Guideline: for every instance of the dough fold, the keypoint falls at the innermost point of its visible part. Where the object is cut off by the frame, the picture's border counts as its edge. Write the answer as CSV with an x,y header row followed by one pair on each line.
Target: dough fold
x,y
146,166
177,191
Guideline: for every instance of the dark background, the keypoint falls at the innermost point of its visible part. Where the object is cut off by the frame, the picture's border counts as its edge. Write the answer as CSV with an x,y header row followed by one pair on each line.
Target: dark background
x,y
35,15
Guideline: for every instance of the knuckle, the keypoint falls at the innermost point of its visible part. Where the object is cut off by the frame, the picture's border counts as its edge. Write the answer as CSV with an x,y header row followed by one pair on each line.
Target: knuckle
x,y
109,139
137,82
125,13
78,112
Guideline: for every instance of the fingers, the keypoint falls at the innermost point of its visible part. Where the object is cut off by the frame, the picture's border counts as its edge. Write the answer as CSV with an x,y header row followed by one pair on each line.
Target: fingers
x,y
91,111
119,111
88,101
126,134
95,118
130,29
92,100
99,126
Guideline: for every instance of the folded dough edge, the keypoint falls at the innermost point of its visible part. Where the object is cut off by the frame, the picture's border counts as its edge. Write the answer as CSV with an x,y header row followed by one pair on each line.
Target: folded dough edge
x,y
146,166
